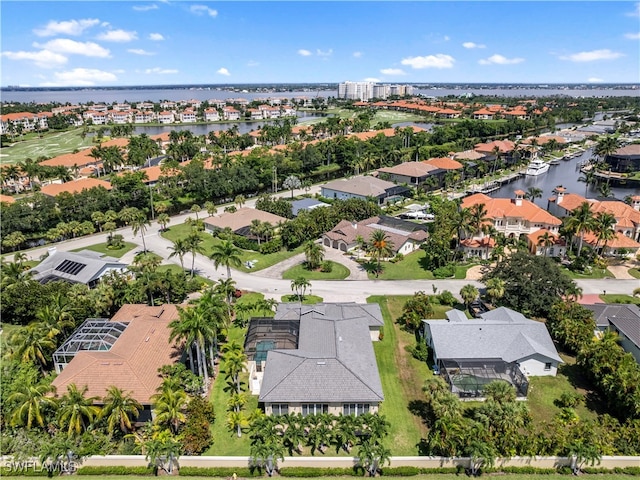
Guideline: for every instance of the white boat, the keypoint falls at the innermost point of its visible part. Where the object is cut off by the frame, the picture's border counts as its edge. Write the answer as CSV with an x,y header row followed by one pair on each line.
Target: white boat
x,y
537,167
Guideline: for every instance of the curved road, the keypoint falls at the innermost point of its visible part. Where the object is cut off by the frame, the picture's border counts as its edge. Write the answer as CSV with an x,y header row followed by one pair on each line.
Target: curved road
x,y
330,291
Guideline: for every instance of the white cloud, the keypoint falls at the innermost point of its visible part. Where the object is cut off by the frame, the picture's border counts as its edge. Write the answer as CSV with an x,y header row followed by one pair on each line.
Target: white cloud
x,y
68,27
66,45
595,80
392,71
252,63
144,8
160,71
202,10
593,55
304,53
81,77
118,36
324,53
223,71
139,51
500,60
42,59
473,45
632,36
156,37
635,12
357,54
446,38
372,79
438,60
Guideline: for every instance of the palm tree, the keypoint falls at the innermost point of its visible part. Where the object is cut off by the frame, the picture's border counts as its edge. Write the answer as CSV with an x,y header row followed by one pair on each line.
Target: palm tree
x,y
380,246
119,409
579,222
589,178
227,288
237,421
139,224
477,217
195,208
604,228
162,451
163,220
299,286
169,405
546,240
533,193
234,364
31,401
257,228
32,344
194,241
495,288
194,327
77,413
314,254
468,293
179,249
227,254
240,200
211,208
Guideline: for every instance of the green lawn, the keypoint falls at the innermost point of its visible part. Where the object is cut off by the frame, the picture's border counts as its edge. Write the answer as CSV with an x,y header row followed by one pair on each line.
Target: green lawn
x,y
102,248
226,442
52,145
595,273
263,261
402,378
411,267
634,272
613,298
544,390
338,272
390,116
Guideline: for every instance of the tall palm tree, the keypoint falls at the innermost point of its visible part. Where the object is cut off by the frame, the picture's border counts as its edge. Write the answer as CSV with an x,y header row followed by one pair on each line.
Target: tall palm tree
x,y
495,288
194,242
119,409
477,217
227,288
468,293
163,220
314,254
380,246
299,286
179,249
193,327
533,193
227,254
139,224
31,401
604,228
169,405
580,221
76,412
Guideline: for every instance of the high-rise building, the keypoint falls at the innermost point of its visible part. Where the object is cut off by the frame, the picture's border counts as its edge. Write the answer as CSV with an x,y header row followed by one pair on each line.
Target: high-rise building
x,y
365,91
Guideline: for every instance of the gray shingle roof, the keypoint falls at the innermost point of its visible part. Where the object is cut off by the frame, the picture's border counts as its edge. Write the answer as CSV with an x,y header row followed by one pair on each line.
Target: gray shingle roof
x,y
626,318
334,361
94,265
501,333
306,204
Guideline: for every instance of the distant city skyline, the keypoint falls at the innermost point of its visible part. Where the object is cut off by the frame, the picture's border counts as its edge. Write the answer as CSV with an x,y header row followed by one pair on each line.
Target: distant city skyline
x,y
86,43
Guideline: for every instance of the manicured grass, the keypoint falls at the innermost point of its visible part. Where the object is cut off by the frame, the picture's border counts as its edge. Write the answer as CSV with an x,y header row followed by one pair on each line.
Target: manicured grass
x,y
412,267
634,272
208,241
390,116
544,390
307,299
595,273
52,145
338,272
613,298
402,378
102,248
226,442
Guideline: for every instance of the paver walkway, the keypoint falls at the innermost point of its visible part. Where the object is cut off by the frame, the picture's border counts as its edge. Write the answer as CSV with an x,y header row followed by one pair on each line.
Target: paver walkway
x,y
621,271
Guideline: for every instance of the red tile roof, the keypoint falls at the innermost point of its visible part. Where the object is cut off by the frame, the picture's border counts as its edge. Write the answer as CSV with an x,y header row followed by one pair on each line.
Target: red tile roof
x,y
498,208
444,163
74,186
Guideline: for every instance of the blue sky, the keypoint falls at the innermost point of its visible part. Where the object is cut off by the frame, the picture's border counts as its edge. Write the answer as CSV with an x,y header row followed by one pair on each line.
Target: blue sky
x,y
89,43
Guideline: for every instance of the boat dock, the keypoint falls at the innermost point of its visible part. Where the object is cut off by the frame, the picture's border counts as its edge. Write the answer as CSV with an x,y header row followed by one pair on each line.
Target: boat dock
x,y
494,185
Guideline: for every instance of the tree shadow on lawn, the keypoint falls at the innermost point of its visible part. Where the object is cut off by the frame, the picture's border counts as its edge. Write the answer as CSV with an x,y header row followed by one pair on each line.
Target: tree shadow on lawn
x,y
578,379
420,408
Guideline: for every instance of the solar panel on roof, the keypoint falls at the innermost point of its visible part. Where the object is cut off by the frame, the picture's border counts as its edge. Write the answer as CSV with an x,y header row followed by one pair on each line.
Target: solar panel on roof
x,y
70,267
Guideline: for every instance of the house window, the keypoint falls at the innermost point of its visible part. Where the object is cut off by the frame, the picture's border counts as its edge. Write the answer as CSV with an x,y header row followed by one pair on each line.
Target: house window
x,y
355,408
547,366
314,408
279,408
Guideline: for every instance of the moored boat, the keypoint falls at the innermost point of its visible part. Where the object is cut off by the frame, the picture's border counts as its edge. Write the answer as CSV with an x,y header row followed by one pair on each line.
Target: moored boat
x,y
537,167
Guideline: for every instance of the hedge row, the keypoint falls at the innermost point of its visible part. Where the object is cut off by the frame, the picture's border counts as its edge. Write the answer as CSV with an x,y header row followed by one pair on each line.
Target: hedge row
x,y
116,470
220,472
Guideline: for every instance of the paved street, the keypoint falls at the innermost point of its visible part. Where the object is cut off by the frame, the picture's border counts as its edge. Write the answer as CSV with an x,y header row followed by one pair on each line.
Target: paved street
x,y
336,290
